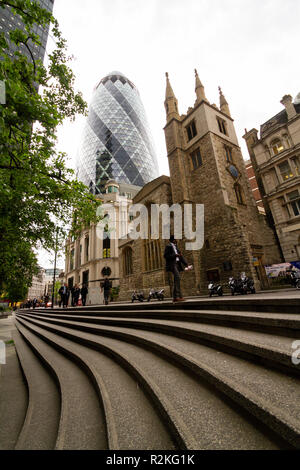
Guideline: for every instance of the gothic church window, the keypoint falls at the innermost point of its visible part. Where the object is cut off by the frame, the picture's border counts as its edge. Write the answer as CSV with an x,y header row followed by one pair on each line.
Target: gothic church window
x,y
128,261
191,130
239,193
222,125
228,152
196,159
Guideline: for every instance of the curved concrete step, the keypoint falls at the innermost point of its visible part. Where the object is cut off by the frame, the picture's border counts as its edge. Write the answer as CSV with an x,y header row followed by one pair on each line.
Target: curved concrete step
x,y
176,428
275,323
272,349
277,416
132,421
13,400
42,417
257,303
81,423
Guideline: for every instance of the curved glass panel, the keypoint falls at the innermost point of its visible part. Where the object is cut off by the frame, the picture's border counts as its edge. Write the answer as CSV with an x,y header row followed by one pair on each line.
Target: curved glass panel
x,y
116,142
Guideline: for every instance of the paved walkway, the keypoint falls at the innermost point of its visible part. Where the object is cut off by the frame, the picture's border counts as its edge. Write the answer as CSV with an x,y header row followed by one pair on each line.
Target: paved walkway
x,y
6,328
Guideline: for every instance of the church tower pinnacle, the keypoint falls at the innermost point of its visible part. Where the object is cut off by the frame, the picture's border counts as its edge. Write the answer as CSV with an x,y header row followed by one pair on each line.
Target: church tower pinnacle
x,y
199,89
171,103
223,103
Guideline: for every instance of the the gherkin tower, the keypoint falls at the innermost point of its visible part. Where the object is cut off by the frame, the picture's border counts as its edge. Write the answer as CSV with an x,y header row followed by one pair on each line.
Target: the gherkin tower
x,y
116,142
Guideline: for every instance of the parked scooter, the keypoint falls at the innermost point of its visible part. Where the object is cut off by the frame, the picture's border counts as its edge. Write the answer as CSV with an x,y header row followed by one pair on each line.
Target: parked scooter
x,y
137,296
215,289
156,294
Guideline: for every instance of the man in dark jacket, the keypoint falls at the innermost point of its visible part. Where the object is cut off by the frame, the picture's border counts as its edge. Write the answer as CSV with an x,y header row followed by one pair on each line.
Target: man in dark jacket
x,y
84,291
64,295
174,262
106,285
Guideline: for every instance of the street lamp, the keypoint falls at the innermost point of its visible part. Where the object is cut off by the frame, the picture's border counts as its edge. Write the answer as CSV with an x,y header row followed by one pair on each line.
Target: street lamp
x,y
56,243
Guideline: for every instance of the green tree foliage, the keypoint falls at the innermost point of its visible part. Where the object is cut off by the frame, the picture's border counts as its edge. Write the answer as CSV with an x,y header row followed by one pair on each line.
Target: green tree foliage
x,y
37,189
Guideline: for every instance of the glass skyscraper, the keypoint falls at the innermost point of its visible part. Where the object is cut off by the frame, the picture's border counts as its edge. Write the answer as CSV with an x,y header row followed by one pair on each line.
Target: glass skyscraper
x,y
116,142
9,21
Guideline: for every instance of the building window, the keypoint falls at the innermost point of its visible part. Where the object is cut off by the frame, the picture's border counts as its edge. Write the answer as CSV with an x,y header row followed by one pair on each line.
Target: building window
x,y
228,152
196,159
85,277
112,189
106,272
152,255
87,243
213,275
222,125
191,130
72,260
285,171
286,141
239,194
128,261
106,245
277,146
80,254
294,202
296,163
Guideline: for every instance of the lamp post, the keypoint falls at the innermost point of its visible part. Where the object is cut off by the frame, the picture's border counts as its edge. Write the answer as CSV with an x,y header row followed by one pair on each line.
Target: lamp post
x,y
54,274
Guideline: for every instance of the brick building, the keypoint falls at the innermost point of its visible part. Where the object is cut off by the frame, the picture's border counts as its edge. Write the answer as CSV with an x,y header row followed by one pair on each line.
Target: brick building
x,y
254,186
206,167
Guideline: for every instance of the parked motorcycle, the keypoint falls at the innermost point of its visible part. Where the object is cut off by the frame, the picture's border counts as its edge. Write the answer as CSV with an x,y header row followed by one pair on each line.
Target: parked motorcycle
x,y
215,289
137,296
242,285
247,284
156,294
295,279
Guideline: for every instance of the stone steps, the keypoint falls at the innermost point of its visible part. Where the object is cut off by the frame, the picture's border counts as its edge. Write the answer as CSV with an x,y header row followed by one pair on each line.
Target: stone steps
x,y
194,386
284,324
242,303
274,350
13,400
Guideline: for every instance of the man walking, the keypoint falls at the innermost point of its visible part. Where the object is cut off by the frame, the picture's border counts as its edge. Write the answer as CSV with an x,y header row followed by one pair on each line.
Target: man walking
x,y
106,289
84,292
174,262
64,294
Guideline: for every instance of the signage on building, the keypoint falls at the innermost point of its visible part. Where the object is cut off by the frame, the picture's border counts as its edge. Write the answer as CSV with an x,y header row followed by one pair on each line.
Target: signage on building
x,y
281,270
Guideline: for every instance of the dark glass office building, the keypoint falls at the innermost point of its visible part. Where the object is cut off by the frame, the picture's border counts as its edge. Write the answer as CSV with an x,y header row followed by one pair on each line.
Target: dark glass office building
x,y
9,21
116,142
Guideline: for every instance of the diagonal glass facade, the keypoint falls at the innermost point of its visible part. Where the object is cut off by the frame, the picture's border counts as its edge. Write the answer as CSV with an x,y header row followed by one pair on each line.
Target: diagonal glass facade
x,y
116,142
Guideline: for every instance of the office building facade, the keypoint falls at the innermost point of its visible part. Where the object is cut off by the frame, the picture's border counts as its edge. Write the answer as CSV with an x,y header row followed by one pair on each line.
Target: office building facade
x,y
10,21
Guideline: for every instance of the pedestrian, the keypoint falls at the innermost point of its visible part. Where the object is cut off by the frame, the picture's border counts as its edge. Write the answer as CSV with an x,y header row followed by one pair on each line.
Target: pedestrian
x,y
64,295
34,302
106,285
84,291
76,294
174,264
46,300
72,295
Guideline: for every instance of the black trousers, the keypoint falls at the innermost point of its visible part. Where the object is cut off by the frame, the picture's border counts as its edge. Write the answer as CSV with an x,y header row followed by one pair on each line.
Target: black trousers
x,y
106,296
176,289
83,299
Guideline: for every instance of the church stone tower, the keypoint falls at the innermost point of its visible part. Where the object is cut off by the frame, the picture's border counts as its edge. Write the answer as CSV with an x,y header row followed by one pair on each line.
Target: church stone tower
x,y
207,167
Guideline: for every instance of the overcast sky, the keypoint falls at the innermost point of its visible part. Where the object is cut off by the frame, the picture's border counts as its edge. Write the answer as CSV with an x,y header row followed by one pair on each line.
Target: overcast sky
x,y
248,47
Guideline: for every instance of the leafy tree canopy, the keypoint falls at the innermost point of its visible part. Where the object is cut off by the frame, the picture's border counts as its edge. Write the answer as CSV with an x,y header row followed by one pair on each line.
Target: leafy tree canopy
x,y
37,189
